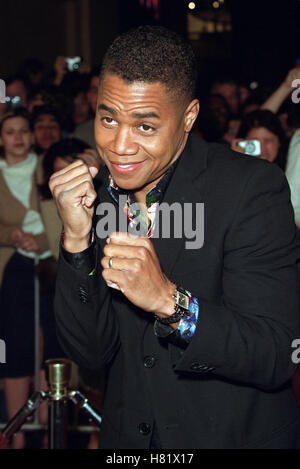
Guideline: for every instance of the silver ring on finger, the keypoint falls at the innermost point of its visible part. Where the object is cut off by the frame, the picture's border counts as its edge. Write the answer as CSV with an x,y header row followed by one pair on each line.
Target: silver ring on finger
x,y
110,264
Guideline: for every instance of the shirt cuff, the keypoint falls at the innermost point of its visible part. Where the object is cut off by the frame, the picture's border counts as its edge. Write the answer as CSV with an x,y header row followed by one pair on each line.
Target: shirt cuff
x,y
85,261
186,327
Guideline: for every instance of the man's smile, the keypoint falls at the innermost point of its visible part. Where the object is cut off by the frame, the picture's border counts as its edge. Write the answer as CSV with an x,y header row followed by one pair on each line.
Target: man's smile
x,y
126,168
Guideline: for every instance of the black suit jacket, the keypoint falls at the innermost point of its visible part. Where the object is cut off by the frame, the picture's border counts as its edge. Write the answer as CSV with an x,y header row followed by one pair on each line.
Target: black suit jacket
x,y
230,387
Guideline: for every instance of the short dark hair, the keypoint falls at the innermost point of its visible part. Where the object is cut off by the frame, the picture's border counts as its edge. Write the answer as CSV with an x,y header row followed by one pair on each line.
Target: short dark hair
x,y
39,111
267,119
153,54
262,118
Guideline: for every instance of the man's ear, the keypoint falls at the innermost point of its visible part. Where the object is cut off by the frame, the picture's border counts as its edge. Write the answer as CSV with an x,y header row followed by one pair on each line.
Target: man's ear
x,y
191,114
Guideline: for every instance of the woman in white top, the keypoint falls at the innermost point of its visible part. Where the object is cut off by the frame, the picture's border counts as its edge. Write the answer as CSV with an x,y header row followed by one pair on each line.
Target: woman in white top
x,y
22,234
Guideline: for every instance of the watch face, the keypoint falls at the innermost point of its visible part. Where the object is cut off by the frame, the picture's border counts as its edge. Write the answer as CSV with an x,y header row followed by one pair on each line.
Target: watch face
x,y
182,300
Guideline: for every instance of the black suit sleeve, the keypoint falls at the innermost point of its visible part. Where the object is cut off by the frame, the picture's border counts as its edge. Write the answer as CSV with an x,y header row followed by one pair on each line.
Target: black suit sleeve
x,y
247,336
86,327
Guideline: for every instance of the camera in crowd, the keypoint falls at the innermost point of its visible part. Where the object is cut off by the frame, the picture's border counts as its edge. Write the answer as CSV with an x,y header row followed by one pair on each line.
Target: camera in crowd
x,y
73,63
251,147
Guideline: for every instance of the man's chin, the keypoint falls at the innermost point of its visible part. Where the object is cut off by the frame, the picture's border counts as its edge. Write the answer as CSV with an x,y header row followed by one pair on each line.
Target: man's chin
x,y
131,184
127,185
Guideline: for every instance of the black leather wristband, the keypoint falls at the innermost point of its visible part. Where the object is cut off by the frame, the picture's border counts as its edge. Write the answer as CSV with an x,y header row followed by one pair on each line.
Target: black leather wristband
x,y
180,308
178,314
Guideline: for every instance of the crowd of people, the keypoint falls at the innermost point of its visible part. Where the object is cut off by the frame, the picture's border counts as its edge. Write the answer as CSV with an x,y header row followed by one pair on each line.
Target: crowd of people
x,y
47,123
38,126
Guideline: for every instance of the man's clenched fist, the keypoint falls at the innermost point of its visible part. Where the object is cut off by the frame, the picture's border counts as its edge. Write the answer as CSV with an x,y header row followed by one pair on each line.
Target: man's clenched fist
x,y
74,194
130,264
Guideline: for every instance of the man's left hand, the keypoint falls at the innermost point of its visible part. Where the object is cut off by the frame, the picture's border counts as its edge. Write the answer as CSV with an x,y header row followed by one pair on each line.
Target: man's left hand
x,y
136,271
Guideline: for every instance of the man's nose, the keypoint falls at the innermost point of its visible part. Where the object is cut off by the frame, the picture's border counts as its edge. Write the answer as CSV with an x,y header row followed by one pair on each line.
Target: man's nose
x,y
124,143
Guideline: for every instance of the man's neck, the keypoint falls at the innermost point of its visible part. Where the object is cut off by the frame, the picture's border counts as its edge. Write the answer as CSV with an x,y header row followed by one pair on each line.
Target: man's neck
x,y
140,197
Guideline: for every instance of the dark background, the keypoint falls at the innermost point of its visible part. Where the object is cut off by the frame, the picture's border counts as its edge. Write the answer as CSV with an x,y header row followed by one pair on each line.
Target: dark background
x,y
262,45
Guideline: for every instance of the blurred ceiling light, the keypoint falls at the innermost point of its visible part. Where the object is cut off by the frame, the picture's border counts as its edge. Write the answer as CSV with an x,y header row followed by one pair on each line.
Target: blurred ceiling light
x,y
216,4
192,5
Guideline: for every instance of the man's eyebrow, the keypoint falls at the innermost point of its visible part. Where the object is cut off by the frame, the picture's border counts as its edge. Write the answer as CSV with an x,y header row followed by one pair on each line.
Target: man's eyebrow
x,y
145,115
139,115
107,108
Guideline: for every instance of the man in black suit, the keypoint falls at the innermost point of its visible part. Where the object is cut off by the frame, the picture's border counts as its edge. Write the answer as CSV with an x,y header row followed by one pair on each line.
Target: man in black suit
x,y
196,336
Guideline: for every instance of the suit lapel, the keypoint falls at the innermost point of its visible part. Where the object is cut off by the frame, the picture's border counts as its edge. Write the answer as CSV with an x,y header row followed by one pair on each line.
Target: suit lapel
x,y
188,185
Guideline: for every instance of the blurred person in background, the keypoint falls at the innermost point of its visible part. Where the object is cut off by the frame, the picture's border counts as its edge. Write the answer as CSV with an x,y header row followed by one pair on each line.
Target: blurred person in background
x,y
264,126
229,89
47,127
252,103
61,73
212,121
17,91
81,108
33,72
35,98
55,98
233,126
22,240
244,93
293,163
85,131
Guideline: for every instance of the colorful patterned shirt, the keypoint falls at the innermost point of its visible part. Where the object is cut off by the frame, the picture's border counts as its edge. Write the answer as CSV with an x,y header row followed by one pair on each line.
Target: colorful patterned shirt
x,y
187,325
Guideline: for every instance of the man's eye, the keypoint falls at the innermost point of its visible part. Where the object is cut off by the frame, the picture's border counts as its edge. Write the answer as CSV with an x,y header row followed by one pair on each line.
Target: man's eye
x,y
146,128
108,120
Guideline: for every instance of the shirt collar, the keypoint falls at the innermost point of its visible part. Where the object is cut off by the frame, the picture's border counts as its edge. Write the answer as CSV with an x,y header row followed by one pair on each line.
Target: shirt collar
x,y
153,195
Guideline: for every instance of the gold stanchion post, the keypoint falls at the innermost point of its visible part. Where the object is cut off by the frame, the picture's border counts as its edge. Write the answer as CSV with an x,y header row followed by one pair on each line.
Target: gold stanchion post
x,y
58,374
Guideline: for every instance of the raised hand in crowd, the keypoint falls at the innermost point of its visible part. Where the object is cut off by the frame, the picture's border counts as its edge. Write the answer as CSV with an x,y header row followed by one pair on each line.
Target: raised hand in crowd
x,y
235,145
60,68
276,99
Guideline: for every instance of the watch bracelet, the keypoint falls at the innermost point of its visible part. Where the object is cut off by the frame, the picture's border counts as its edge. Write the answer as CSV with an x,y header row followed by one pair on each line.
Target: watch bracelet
x,y
178,314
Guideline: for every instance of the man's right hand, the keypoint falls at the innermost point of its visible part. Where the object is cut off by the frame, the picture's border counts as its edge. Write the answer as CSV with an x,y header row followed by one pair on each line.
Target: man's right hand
x,y
74,194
